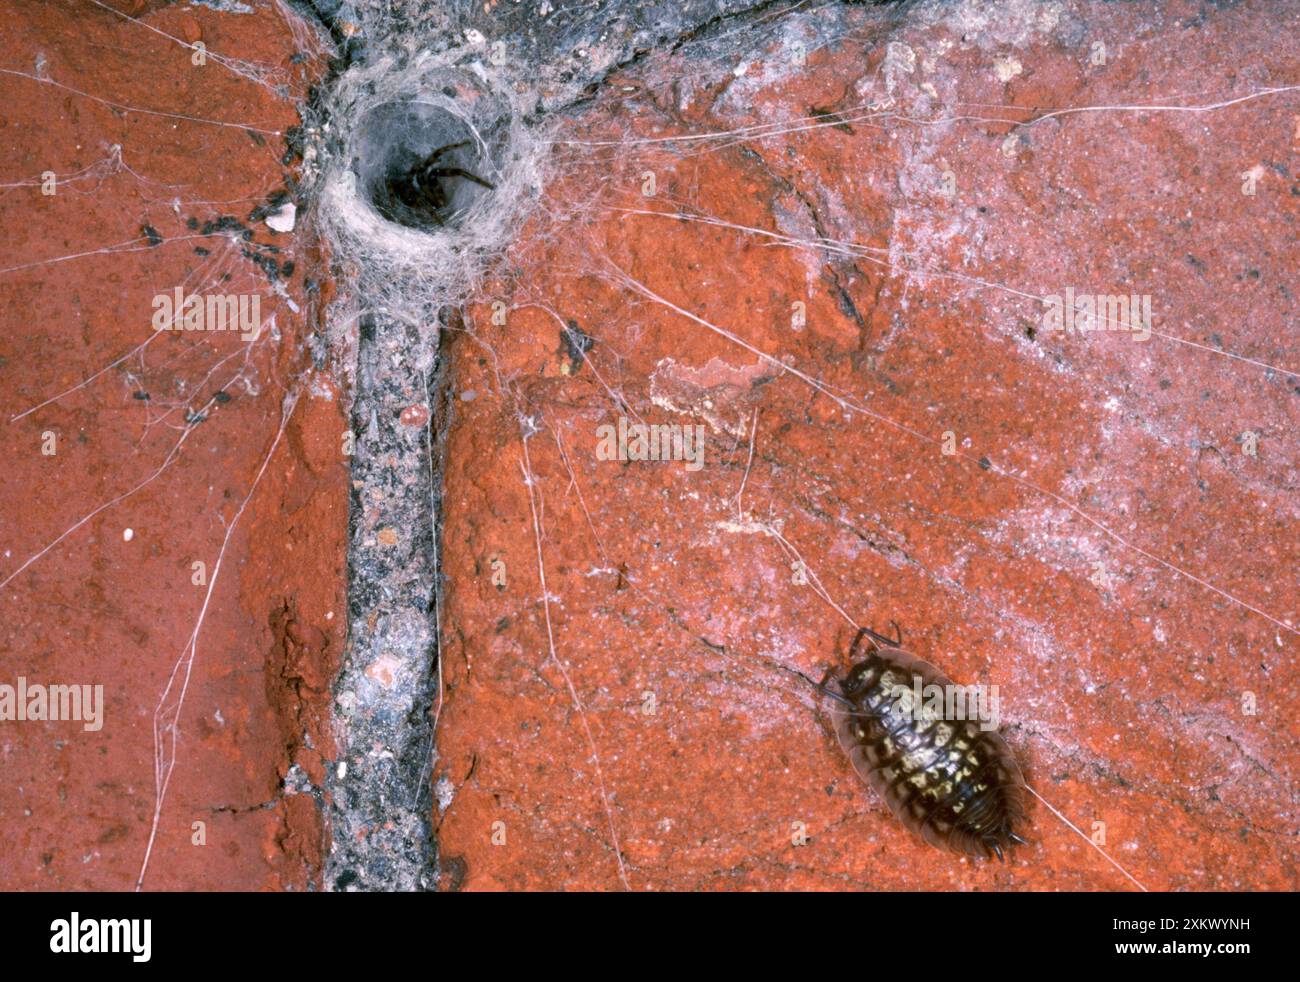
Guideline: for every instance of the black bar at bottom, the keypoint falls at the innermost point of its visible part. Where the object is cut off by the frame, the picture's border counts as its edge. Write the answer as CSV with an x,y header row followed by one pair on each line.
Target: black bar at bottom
x,y
936,934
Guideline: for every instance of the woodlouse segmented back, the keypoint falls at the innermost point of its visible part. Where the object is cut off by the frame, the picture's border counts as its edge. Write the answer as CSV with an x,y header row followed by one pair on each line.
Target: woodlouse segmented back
x,y
951,782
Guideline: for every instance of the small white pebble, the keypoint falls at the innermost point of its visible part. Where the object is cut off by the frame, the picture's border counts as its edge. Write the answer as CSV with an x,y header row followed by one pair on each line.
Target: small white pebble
x,y
128,535
284,218
1007,67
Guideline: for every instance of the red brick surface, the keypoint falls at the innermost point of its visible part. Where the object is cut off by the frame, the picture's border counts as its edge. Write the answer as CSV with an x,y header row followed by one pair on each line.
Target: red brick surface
x,y
1122,691
77,807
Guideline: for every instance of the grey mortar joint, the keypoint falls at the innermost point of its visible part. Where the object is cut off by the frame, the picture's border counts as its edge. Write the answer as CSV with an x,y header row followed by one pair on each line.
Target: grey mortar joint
x,y
381,806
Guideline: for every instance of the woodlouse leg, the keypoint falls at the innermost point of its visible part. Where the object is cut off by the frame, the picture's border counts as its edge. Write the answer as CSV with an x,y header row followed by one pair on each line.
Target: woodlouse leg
x,y
821,686
823,689
863,632
878,640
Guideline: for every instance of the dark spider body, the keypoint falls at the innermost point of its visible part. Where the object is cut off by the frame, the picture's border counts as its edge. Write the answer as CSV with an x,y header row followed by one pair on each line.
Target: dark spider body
x,y
421,187
955,785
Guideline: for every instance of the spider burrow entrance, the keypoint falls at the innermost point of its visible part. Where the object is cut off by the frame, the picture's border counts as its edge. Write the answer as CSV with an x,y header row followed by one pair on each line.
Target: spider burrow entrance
x,y
425,170
420,165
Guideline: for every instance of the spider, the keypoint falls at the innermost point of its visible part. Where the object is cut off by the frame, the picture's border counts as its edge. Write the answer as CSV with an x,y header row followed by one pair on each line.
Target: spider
x,y
421,189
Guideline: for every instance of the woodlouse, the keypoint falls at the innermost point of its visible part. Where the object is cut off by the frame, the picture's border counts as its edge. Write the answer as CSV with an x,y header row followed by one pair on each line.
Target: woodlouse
x,y
951,782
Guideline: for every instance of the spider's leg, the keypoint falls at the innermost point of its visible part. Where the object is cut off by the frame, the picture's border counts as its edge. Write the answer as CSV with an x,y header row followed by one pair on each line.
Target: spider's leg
x,y
441,150
461,172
